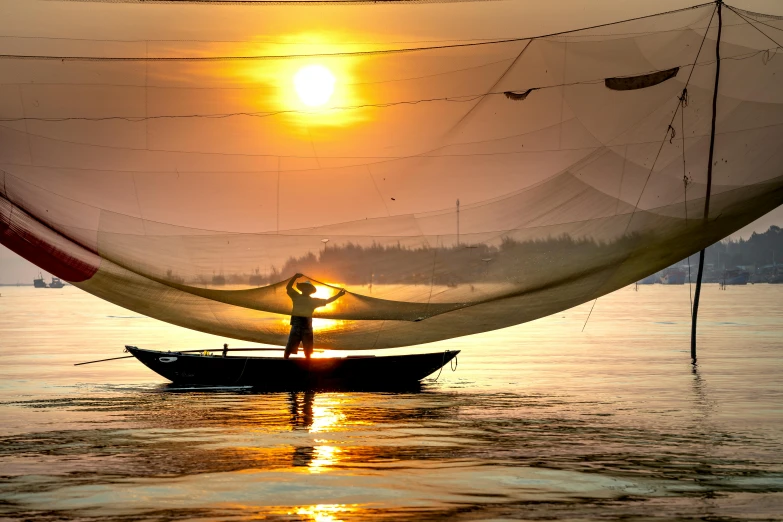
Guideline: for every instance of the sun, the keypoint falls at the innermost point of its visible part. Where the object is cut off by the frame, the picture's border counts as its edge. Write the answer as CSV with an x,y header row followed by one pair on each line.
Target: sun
x,y
314,84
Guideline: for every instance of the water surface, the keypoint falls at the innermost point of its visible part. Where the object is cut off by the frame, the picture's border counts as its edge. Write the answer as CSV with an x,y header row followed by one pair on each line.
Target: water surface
x,y
538,421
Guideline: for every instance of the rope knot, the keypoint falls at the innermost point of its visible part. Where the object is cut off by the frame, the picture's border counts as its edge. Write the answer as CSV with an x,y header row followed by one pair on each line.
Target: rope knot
x,y
684,97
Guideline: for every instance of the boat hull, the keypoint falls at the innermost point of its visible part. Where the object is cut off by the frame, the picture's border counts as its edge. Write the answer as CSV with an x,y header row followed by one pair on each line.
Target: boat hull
x,y
736,278
361,372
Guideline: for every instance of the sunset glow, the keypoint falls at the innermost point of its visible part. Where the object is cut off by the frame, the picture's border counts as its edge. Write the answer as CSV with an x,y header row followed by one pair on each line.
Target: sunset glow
x,y
334,261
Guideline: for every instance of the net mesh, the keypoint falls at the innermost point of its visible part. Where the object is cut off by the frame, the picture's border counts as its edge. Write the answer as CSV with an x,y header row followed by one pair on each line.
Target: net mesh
x,y
451,187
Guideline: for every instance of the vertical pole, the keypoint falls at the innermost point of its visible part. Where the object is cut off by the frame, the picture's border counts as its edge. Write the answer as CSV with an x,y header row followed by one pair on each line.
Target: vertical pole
x,y
146,94
709,184
458,222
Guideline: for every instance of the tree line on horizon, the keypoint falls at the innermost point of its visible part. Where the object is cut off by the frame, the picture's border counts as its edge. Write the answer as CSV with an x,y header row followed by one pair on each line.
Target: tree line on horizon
x,y
356,264
758,250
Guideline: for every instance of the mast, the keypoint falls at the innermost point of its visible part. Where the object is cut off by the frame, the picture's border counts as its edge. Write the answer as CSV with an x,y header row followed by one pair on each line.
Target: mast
x,y
709,184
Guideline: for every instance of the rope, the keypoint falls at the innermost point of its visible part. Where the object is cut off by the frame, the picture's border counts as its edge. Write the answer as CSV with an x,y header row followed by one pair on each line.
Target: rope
x,y
432,282
756,13
690,288
442,364
455,365
766,57
243,371
757,29
466,98
663,141
685,182
491,89
588,315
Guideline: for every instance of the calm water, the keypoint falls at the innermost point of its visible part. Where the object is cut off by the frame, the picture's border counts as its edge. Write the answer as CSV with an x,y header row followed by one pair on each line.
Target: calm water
x,y
539,421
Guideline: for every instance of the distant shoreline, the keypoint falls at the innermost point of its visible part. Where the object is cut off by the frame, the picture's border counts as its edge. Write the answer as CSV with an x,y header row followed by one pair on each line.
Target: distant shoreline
x,y
29,284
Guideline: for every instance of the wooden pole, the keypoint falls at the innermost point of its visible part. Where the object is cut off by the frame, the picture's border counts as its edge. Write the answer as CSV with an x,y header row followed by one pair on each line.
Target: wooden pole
x,y
199,351
709,184
103,360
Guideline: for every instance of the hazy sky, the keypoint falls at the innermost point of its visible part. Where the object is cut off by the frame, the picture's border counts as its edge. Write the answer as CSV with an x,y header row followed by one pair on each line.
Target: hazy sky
x,y
479,20
14,269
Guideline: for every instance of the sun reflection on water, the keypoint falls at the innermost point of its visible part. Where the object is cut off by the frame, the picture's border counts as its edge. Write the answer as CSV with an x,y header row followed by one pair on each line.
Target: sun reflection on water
x,y
324,458
316,414
325,512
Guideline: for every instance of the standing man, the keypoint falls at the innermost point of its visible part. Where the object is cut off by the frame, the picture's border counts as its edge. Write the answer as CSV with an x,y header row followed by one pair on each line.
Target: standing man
x,y
302,314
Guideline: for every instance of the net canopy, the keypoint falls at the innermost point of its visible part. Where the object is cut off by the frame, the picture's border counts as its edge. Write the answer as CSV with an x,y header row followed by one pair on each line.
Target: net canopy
x,y
457,168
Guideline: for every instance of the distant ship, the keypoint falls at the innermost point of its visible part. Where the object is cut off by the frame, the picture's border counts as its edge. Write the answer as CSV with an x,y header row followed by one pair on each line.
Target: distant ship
x,y
56,283
649,280
39,283
673,276
736,277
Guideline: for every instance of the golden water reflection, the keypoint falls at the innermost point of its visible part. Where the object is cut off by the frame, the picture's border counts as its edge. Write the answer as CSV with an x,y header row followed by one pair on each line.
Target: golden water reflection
x,y
536,423
315,414
325,512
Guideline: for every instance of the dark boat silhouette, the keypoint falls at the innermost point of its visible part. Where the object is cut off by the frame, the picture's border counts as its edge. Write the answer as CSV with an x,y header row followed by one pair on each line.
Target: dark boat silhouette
x,y
56,283
39,281
352,372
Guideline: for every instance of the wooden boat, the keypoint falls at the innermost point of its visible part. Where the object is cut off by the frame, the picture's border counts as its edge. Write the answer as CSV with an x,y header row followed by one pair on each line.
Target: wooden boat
x,y
352,372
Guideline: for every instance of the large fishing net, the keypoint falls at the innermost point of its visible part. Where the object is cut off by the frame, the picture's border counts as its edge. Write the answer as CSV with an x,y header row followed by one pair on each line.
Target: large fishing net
x,y
451,185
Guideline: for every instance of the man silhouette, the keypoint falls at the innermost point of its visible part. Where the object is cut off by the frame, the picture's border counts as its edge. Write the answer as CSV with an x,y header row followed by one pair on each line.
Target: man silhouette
x,y
302,315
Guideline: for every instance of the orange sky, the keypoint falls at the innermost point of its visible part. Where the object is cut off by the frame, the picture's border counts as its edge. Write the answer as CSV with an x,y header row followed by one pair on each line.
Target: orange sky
x,y
286,30
371,22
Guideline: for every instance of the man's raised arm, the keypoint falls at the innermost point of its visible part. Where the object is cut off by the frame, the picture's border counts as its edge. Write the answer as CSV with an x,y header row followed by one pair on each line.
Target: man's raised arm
x,y
290,286
336,296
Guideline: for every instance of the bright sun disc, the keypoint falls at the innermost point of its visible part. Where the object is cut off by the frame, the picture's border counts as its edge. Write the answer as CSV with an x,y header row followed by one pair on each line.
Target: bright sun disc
x,y
314,84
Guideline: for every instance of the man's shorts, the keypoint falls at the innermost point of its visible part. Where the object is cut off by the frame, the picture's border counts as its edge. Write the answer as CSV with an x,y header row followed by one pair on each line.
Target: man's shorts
x,y
300,334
